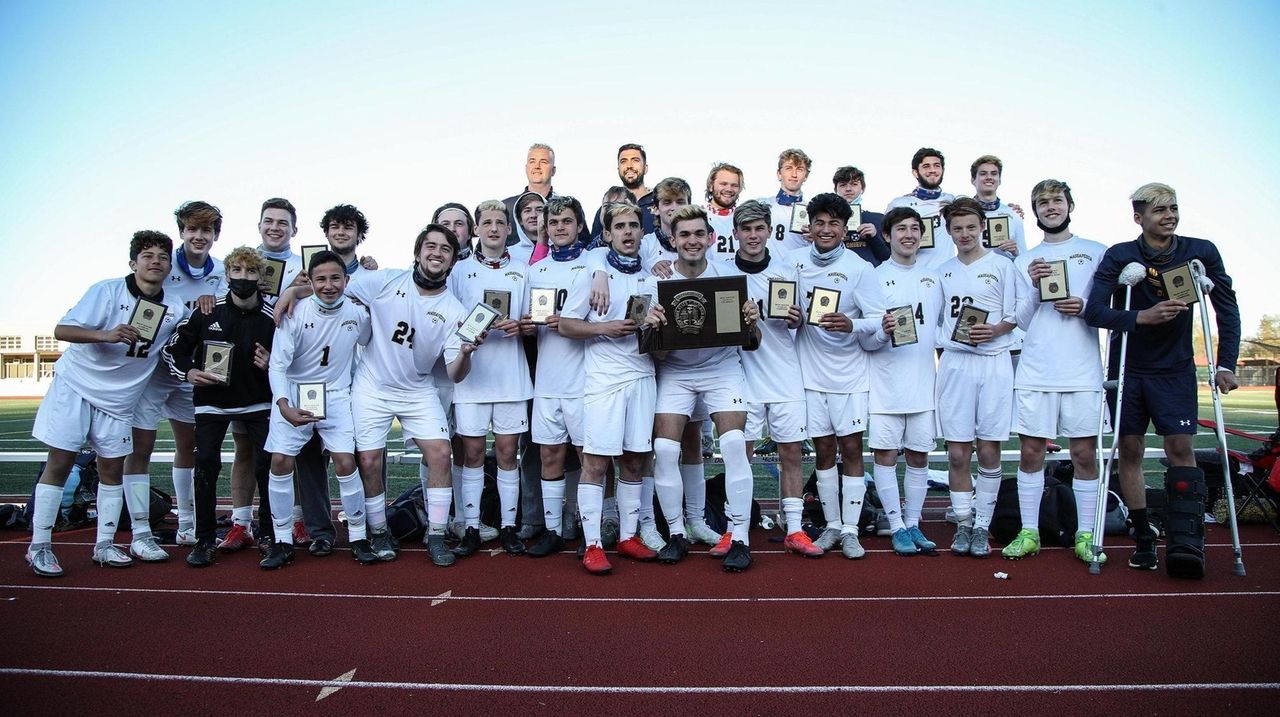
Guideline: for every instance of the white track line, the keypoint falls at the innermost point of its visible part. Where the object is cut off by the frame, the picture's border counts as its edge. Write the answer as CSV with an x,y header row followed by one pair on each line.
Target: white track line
x,y
624,689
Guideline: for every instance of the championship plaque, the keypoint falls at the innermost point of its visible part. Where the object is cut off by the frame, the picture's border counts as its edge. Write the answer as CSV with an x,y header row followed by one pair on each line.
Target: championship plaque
x,y
500,301
855,221
311,398
926,234
147,317
308,252
702,313
477,322
637,308
217,359
799,217
825,301
782,296
1054,286
997,232
272,276
904,326
1179,284
970,316
542,304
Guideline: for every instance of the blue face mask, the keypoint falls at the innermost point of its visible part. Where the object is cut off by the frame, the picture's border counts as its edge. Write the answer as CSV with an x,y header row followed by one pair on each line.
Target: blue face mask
x,y
326,306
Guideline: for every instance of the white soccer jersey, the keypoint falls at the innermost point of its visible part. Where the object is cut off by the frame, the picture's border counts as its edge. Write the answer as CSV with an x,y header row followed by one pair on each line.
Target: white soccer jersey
x,y
725,245
112,376
833,361
989,284
651,252
189,289
292,267
560,360
499,369
610,363
1016,230
1059,353
772,369
782,239
701,364
902,376
943,247
316,345
408,332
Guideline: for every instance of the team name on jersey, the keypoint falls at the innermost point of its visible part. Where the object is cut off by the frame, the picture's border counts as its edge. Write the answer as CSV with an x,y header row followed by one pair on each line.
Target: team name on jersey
x,y
436,317
514,275
1081,259
929,281
837,276
988,278
350,324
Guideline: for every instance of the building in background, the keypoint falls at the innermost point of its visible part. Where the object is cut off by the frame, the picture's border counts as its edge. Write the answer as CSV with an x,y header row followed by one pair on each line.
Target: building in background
x,y
26,364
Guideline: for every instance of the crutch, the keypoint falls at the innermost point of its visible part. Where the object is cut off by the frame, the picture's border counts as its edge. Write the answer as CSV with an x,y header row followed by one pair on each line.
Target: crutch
x,y
1204,285
1129,277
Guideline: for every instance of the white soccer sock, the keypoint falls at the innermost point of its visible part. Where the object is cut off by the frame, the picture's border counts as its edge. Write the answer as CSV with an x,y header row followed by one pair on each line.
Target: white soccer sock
x,y
280,491
667,483
509,495
646,500
553,504
986,488
628,509
829,495
184,496
962,504
351,491
110,500
694,479
472,487
886,478
590,503
375,511
738,483
915,486
455,473
793,509
423,474
45,512
854,490
1030,489
1086,492
438,509
137,496
242,516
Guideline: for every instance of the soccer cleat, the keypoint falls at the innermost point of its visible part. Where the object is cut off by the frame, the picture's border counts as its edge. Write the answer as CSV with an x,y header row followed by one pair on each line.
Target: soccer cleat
x,y
595,562
1024,545
439,553
699,532
738,558
148,550
721,549
42,561
202,555
829,538
110,556
1144,558
362,551
960,543
926,546
469,545
850,547
769,447
264,545
238,538
674,551
979,543
549,543
529,532
1084,548
488,533
280,556
300,534
510,541
185,536
651,537
609,533
882,524
799,543
380,543
320,547
903,544
636,549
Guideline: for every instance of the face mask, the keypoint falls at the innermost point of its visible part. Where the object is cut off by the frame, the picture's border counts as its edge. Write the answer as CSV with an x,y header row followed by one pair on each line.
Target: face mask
x,y
243,288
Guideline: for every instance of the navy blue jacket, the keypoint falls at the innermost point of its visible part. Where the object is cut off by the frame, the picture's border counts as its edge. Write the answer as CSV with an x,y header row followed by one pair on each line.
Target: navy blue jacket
x,y
874,250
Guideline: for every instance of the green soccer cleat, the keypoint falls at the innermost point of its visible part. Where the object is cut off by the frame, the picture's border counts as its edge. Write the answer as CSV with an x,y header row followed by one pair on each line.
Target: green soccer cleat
x,y
1026,544
1084,548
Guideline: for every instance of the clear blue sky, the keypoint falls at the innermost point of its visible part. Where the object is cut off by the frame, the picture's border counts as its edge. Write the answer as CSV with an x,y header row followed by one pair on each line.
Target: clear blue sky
x,y
117,112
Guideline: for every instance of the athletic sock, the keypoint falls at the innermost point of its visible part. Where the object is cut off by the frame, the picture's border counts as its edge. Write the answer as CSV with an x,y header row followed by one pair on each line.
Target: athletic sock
x,y
438,500
553,503
986,488
1030,489
351,491
1086,492
423,474
628,509
694,479
854,489
646,500
509,495
184,497
738,483
472,487
137,497
45,512
590,502
242,516
915,486
375,511
886,478
829,494
280,494
668,484
962,504
793,509
110,500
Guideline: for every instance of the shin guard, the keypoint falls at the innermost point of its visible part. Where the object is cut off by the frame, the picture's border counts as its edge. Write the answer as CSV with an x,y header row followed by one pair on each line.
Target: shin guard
x,y
1184,556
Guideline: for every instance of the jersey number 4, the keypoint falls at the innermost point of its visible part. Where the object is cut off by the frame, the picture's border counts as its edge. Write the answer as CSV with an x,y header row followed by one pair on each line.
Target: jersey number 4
x,y
403,335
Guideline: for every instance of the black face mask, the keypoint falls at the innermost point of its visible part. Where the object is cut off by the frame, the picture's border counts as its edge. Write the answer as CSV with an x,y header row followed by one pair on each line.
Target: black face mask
x,y
243,288
426,282
1056,230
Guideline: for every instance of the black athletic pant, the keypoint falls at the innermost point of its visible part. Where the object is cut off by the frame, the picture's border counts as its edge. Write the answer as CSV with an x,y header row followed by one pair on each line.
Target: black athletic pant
x,y
211,429
312,469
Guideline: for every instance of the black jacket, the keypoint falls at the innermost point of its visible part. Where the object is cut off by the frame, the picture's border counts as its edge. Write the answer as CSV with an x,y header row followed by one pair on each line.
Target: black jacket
x,y
248,384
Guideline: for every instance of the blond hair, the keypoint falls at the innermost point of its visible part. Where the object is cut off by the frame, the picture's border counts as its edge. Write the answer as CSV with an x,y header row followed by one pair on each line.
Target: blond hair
x,y
1152,193
244,257
688,212
490,205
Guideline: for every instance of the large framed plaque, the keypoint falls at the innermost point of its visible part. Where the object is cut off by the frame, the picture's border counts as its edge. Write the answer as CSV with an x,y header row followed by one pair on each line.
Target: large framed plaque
x,y
477,322
970,316
147,318
1179,284
825,301
926,234
309,251
217,359
904,326
272,276
702,313
799,217
855,221
782,296
637,308
500,301
1054,286
311,398
542,304
997,232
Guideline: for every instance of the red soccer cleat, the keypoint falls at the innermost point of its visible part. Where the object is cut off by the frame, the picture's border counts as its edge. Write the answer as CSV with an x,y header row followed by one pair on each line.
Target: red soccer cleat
x,y
635,549
721,549
238,538
300,534
799,542
595,561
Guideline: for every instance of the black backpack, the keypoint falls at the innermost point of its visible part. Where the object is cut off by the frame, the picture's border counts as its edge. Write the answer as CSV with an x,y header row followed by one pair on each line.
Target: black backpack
x,y
84,497
1057,511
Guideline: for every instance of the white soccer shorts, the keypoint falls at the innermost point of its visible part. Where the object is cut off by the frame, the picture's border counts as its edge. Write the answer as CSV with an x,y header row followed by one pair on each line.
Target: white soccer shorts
x,y
975,396
621,419
164,398
507,418
684,396
841,414
1050,414
337,430
785,420
557,420
372,411
67,421
913,431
